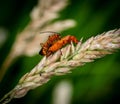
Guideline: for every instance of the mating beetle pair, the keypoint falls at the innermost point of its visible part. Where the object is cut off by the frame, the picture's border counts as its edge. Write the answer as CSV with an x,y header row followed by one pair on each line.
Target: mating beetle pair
x,y
55,42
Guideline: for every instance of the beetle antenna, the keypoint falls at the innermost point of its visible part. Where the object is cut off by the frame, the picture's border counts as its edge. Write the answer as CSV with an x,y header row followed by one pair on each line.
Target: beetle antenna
x,y
50,32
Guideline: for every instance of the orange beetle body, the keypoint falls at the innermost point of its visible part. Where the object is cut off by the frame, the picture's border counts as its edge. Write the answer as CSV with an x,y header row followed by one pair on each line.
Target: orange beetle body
x,y
51,40
60,43
55,43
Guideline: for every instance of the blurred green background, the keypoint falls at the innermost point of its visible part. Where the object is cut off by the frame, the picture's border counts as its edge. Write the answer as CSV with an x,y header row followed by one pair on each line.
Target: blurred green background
x,y
95,83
